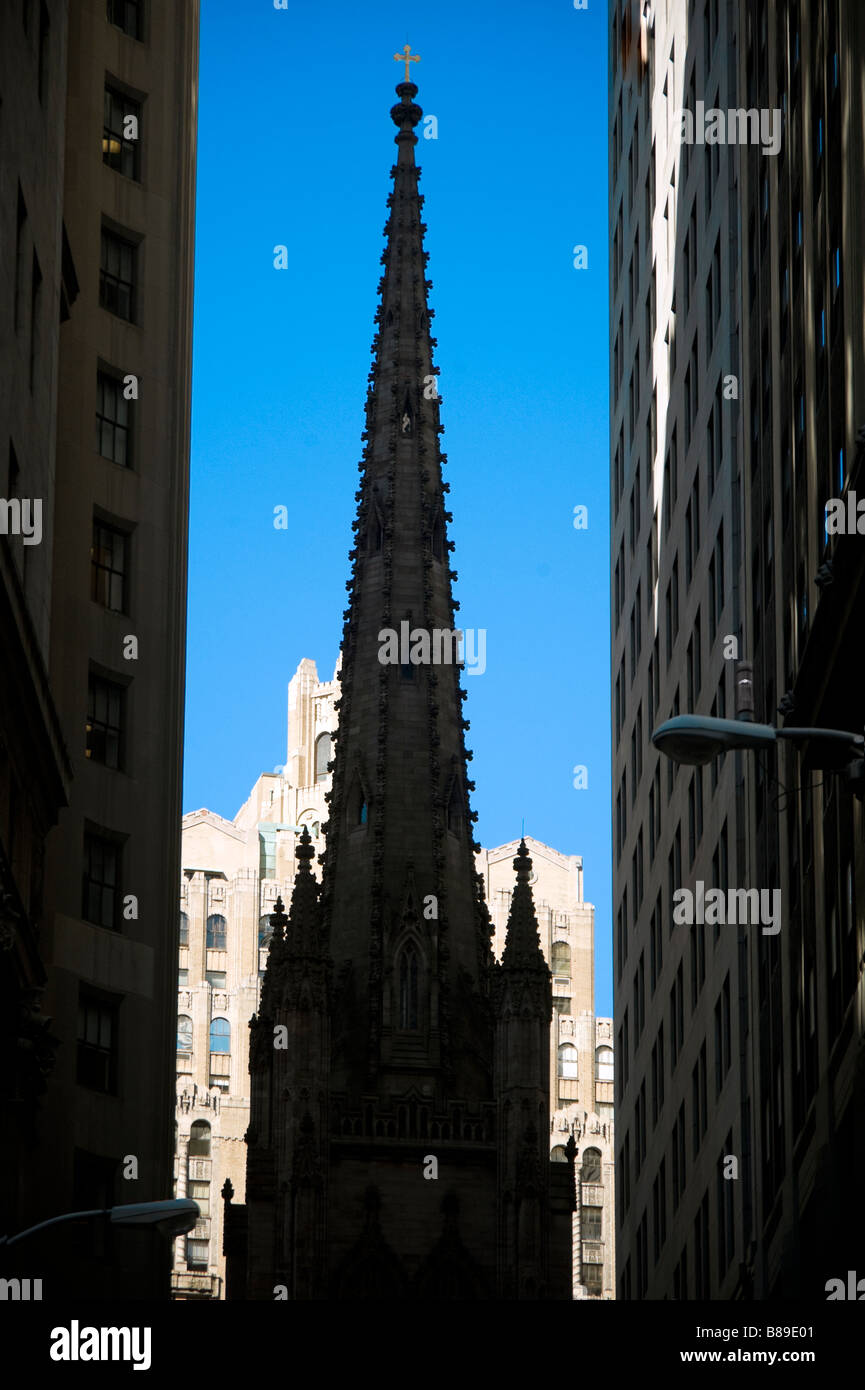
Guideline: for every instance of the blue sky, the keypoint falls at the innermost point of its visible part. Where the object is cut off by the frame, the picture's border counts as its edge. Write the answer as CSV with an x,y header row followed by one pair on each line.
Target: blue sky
x,y
295,148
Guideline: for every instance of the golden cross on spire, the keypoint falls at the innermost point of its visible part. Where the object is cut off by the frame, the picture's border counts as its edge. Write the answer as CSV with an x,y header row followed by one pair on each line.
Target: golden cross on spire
x,y
407,57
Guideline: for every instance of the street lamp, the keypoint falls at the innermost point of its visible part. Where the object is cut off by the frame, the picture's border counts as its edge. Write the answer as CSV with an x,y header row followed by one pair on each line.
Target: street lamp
x,y
171,1218
696,739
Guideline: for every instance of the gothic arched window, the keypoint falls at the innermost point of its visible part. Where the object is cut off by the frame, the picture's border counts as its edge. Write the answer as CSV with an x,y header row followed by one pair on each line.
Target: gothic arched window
x,y
558,1155
322,756
561,958
356,805
568,1061
216,926
591,1169
220,1035
408,989
604,1070
184,1033
199,1140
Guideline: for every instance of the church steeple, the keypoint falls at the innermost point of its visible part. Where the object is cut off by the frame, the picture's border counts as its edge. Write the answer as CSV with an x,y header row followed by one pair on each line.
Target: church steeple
x,y
388,1041
399,874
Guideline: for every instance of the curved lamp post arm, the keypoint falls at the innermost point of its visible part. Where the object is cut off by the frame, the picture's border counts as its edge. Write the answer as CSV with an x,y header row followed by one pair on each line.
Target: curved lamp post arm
x,y
172,1218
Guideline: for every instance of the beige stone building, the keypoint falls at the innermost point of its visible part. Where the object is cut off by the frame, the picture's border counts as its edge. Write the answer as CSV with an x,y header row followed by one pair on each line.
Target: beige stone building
x,y
233,872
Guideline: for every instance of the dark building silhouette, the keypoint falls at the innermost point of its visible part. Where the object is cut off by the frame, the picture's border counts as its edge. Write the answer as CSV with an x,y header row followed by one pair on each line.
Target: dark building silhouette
x,y
739,263
388,1040
97,190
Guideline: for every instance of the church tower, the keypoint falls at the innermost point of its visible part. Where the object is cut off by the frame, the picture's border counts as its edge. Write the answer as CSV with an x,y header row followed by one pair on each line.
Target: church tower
x,y
373,1149
524,1006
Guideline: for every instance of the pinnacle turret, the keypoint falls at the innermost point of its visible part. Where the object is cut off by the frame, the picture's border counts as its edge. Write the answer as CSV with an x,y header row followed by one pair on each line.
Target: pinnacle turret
x,y
522,940
296,945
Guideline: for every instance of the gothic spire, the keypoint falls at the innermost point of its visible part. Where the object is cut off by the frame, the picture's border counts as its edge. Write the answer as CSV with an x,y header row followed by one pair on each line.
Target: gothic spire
x,y
399,800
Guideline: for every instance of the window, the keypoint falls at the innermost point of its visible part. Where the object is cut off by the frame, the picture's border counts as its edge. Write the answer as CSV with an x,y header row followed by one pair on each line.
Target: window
x,y
604,1064
640,1127
656,945
723,1036
104,727
678,1153
701,1249
215,978
590,1170
117,275
182,977
698,961
200,1193
35,316
113,420
624,1184
216,931
184,929
657,1075
199,1140
592,1223
20,226
108,567
220,1035
642,1258
265,929
44,25
94,1184
561,958
726,1218
322,756
639,997
197,1252
101,887
408,989
126,15
120,130
568,1061
184,1033
97,1043
659,1208
677,1020
699,1101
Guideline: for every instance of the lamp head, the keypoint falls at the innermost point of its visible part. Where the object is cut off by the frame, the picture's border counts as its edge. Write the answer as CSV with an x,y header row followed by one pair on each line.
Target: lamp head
x,y
171,1218
696,739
